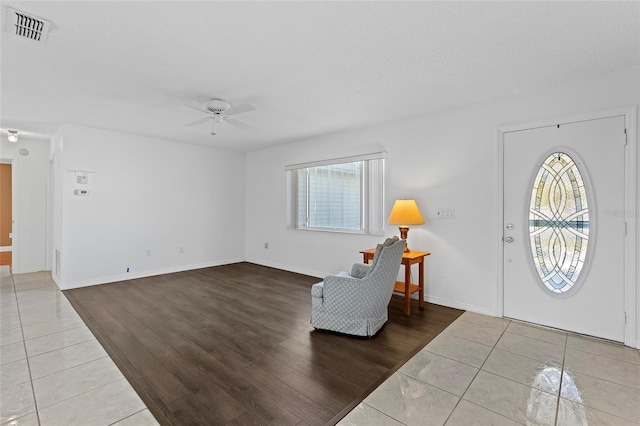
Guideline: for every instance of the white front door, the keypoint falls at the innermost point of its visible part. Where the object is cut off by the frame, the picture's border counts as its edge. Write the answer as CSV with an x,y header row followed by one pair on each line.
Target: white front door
x,y
549,278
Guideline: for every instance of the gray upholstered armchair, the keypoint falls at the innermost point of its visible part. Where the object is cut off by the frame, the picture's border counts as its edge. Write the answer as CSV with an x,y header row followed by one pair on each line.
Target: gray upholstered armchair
x,y
357,304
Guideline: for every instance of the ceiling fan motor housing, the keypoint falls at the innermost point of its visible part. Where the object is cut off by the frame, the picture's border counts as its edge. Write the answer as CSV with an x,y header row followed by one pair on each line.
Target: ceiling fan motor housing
x,y
217,106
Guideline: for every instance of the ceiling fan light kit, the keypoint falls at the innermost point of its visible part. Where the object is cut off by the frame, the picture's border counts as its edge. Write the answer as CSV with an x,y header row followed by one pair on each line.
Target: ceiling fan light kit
x,y
217,106
219,111
12,135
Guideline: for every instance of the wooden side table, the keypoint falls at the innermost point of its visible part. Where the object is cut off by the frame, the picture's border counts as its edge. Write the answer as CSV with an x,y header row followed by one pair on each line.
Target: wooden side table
x,y
406,287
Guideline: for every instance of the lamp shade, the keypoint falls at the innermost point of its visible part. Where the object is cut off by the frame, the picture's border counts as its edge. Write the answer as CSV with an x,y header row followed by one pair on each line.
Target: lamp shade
x,y
405,212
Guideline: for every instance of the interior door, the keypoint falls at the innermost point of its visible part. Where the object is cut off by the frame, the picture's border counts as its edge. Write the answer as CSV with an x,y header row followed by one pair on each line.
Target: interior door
x,y
535,270
6,215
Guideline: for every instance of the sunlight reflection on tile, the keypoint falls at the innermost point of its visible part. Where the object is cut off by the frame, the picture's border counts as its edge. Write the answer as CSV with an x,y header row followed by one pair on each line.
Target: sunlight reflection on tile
x,y
603,395
513,400
436,370
16,402
412,402
28,420
538,374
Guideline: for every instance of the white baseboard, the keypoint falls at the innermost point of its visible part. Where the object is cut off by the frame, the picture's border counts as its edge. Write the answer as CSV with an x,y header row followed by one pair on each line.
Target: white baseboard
x,y
289,268
143,274
460,305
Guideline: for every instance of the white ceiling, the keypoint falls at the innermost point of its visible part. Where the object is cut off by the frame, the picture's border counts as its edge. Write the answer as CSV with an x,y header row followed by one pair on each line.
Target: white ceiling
x,y
309,68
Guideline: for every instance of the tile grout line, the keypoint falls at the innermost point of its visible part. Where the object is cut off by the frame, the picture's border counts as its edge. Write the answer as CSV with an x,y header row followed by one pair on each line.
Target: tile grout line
x,y
24,344
51,334
106,355
564,358
62,347
612,358
137,412
476,375
566,347
69,368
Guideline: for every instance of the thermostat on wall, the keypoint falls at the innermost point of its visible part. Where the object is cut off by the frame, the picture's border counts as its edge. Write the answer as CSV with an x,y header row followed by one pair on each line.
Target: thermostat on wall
x,y
81,191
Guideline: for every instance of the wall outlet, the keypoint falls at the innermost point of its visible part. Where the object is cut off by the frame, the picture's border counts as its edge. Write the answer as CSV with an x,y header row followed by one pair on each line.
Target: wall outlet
x,y
181,250
148,252
266,245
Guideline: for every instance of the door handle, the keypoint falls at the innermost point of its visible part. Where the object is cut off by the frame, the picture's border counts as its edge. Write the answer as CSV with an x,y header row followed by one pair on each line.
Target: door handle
x,y
508,239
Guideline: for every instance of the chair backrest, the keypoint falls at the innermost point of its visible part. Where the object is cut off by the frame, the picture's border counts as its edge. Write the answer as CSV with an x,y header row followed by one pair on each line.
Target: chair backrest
x,y
388,258
376,256
383,273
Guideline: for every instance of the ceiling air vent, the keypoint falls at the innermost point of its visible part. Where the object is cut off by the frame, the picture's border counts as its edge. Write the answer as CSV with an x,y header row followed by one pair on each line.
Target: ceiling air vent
x,y
27,26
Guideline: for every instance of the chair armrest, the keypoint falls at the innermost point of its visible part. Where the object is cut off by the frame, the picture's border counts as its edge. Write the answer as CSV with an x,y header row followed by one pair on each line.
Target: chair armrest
x,y
316,290
353,294
359,270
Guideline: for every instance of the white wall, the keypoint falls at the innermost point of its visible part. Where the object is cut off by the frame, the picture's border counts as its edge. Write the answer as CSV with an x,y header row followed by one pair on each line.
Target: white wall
x,y
444,159
144,194
30,195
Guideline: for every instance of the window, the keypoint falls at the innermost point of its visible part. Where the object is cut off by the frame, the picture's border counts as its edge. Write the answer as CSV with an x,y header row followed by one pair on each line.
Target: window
x,y
559,222
341,195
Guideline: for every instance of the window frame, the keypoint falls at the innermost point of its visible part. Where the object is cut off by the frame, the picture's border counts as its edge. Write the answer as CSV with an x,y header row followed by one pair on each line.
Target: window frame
x,y
371,194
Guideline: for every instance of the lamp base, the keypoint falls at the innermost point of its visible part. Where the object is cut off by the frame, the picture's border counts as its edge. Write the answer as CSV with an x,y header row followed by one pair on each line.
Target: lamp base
x,y
404,232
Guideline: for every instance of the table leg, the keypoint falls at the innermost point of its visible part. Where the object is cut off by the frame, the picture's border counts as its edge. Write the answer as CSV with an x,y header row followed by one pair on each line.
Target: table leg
x,y
421,284
407,294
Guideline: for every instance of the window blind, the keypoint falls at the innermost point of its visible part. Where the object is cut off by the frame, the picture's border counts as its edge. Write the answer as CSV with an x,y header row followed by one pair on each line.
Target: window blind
x,y
344,194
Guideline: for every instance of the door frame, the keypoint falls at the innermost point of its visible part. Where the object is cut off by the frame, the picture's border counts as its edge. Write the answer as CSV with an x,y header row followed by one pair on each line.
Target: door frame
x,y
630,176
11,159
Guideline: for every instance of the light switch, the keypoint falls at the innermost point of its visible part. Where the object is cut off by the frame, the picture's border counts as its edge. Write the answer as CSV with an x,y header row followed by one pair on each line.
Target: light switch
x,y
446,213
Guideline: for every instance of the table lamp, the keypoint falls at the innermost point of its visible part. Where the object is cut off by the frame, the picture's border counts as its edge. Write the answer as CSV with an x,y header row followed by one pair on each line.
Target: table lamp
x,y
405,213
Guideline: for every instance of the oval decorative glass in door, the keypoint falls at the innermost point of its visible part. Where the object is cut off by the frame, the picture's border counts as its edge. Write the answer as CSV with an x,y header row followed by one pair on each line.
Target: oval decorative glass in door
x,y
559,222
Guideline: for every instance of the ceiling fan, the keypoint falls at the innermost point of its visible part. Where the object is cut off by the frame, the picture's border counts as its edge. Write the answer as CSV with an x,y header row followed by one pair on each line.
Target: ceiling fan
x,y
219,111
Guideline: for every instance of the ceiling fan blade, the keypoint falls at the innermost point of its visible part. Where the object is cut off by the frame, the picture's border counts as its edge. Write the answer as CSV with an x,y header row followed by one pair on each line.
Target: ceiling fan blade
x,y
239,109
198,122
194,107
238,124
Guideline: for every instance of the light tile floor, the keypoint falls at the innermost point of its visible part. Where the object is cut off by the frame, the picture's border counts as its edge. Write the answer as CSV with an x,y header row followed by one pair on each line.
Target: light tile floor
x,y
490,371
52,369
481,370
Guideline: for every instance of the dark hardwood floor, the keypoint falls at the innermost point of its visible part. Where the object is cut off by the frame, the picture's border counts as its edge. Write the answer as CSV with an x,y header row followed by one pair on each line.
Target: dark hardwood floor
x,y
232,345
